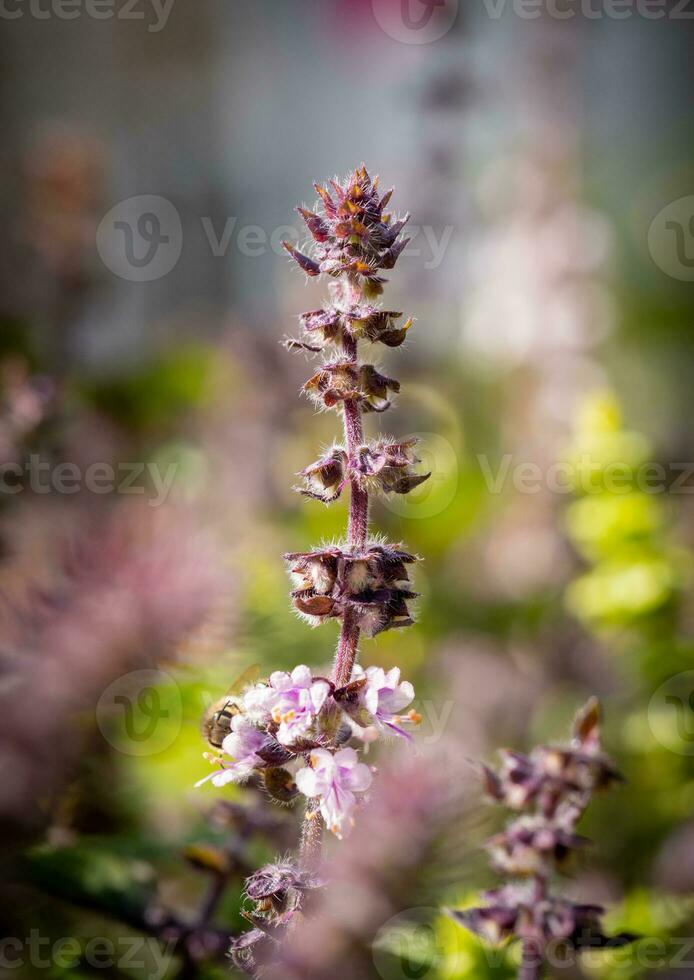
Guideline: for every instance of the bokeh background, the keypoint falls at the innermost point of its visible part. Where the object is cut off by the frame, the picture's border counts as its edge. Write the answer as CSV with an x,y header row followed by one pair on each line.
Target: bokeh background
x,y
150,164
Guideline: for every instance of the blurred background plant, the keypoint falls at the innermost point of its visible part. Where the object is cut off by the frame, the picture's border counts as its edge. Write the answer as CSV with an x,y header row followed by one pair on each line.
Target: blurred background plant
x,y
534,156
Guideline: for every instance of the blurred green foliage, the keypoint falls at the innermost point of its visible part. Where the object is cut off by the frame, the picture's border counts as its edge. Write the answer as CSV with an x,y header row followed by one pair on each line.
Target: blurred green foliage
x,y
617,525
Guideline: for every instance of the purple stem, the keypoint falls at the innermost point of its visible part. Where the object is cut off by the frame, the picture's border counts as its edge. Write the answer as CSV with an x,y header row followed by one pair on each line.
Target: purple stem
x,y
357,531
311,835
531,964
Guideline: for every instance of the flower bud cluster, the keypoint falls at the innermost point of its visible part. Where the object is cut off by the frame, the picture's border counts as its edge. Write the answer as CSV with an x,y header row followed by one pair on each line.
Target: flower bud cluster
x,y
551,788
371,582
382,466
354,234
276,893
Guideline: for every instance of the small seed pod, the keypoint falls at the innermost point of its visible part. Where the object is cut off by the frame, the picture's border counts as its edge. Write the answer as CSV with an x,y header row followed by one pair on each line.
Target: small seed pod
x,y
371,581
326,477
341,381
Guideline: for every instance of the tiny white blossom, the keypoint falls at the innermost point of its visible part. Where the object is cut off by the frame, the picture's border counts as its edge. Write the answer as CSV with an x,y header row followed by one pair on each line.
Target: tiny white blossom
x,y
292,701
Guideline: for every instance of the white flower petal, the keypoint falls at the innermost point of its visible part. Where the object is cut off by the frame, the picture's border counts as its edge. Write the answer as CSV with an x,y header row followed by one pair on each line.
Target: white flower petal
x,y
336,808
322,759
346,758
360,778
307,782
301,676
225,776
206,779
371,700
319,694
376,677
395,701
280,679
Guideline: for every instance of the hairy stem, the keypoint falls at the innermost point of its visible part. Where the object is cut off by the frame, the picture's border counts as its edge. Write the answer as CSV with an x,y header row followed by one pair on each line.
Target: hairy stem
x,y
311,835
358,527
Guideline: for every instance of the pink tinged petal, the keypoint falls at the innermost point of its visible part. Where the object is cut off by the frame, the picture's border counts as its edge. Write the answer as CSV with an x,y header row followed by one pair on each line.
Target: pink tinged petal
x,y
220,779
322,759
280,680
392,678
244,741
345,758
336,808
232,745
301,676
206,779
290,731
376,677
371,700
319,693
360,778
239,723
393,701
259,701
307,782
407,690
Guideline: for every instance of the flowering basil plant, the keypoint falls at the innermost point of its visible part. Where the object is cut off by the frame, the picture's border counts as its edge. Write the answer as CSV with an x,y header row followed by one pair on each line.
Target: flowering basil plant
x,y
300,733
